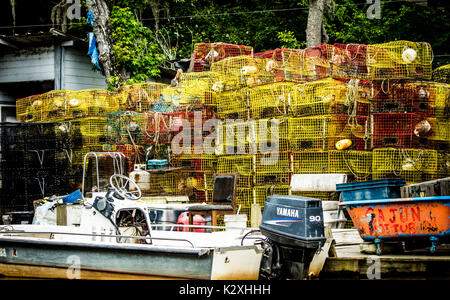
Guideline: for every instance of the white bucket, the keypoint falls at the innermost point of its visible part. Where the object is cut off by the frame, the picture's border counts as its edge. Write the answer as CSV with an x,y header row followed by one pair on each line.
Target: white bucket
x,y
238,221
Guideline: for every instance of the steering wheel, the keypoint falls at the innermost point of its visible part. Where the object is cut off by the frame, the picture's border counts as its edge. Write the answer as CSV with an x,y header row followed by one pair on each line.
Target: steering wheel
x,y
120,183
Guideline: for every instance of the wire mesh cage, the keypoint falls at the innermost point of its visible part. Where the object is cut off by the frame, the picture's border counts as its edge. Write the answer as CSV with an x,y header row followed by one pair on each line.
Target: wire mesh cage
x,y
402,130
126,127
272,168
89,103
330,96
195,163
30,109
356,164
139,97
246,70
242,165
442,74
324,196
323,132
199,88
310,162
349,61
400,60
414,165
407,97
205,54
262,192
270,100
233,105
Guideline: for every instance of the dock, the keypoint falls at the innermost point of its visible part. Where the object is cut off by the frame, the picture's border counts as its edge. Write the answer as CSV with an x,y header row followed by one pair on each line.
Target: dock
x,y
351,264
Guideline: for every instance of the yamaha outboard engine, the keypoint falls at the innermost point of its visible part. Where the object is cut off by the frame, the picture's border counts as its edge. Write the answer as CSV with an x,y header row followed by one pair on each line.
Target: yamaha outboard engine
x,y
295,231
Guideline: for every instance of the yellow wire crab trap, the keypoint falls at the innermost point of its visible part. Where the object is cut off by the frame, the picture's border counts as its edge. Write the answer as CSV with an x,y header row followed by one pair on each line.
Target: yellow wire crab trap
x,y
442,74
244,197
139,97
272,169
356,164
93,130
247,70
77,155
240,137
330,96
414,165
310,162
199,88
323,132
243,165
233,105
89,103
400,60
262,192
195,163
30,109
270,100
324,196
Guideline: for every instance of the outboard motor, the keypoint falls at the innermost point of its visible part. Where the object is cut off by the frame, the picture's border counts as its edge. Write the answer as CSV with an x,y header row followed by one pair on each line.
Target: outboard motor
x,y
295,231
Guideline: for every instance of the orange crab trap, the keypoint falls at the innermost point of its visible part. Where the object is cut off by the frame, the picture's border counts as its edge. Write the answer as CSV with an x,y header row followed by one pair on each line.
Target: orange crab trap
x,y
207,53
402,130
406,97
400,60
330,97
323,132
414,165
349,61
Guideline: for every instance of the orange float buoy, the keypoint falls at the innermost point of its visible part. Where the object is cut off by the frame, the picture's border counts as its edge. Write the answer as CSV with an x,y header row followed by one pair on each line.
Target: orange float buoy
x,y
343,144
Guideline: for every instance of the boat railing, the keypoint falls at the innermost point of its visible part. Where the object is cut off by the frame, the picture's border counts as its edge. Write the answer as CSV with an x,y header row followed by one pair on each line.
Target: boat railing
x,y
119,237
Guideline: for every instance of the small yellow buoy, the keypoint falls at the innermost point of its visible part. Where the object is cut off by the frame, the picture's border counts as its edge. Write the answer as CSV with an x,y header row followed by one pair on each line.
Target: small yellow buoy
x,y
343,144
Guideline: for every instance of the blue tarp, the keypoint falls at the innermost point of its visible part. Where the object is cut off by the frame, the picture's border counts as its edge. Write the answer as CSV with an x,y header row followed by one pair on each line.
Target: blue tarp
x,y
93,51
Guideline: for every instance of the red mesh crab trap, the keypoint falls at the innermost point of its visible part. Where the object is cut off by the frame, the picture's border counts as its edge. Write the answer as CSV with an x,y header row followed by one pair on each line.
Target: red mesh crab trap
x,y
402,130
400,60
297,65
158,127
349,61
205,54
404,97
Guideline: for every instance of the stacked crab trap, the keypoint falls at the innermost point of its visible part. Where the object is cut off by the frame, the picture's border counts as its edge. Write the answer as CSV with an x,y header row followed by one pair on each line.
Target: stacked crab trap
x,y
363,112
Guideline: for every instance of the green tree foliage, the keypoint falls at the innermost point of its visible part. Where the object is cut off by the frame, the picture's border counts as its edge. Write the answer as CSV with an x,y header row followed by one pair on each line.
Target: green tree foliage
x,y
265,25
134,47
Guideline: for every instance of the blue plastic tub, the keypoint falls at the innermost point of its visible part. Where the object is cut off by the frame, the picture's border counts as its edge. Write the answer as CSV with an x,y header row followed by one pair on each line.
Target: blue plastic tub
x,y
157,164
370,190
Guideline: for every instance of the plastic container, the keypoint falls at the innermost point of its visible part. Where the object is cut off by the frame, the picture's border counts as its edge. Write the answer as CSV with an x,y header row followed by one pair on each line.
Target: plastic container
x,y
157,164
369,190
403,219
238,221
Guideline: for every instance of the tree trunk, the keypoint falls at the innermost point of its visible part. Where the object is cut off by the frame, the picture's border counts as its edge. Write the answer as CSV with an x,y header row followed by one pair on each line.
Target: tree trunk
x,y
102,31
315,23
